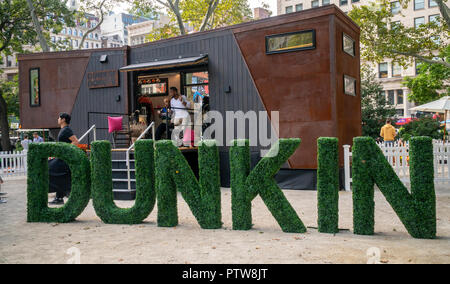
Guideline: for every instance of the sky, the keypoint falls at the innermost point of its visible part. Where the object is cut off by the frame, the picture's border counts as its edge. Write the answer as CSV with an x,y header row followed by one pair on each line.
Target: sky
x,y
253,4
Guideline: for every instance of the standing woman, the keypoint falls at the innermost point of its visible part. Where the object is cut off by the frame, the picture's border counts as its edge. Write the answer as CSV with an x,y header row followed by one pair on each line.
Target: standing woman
x,y
59,172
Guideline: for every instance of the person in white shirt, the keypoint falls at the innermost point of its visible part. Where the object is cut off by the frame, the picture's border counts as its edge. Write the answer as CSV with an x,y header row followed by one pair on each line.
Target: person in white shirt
x,y
26,142
181,118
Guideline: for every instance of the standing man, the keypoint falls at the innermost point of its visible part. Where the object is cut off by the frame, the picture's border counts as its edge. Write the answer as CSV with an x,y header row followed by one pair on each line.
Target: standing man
x,y
181,118
25,142
388,133
59,172
37,138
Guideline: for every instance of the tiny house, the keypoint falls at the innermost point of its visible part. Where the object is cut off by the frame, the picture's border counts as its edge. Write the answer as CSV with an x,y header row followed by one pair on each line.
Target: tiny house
x,y
303,65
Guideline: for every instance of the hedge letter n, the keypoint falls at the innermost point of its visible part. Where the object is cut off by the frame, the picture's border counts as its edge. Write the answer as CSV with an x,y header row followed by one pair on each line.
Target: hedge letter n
x,y
417,210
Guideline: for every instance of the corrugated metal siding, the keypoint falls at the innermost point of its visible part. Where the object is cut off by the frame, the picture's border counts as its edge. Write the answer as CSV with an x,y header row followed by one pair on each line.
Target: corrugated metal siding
x,y
90,102
226,68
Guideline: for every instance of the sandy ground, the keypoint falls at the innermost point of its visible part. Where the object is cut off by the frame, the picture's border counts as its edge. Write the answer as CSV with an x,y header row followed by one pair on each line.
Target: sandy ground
x,y
21,242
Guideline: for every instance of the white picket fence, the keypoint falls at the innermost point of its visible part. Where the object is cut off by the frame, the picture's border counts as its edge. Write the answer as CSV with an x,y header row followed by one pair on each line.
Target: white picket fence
x,y
398,157
13,164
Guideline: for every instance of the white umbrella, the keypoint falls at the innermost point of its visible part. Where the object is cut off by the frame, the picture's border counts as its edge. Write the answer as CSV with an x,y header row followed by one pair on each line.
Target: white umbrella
x,y
442,106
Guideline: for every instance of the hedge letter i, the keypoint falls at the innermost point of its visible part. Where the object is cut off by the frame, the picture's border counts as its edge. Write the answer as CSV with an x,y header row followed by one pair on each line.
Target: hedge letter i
x,y
174,173
416,210
246,185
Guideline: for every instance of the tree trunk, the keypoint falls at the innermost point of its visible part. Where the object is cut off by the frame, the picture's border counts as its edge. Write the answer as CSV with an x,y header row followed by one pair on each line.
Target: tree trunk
x,y
4,125
37,27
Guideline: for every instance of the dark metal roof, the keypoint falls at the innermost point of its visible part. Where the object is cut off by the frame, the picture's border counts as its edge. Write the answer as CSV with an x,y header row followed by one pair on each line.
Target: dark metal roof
x,y
165,64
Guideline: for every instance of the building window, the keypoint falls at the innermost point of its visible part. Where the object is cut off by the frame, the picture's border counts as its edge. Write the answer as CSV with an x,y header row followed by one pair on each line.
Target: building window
x,y
395,7
391,97
63,31
355,1
383,70
396,69
325,2
419,4
418,22
295,41
418,63
289,9
196,86
432,3
70,31
348,45
315,4
434,19
349,85
298,7
400,97
153,87
343,2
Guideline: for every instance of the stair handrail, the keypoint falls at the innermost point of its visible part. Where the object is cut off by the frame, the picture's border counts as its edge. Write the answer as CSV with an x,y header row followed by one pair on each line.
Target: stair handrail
x,y
92,129
151,126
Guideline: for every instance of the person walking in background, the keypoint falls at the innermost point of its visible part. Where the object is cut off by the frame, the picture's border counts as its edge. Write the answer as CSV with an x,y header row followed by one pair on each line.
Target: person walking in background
x,y
37,138
181,119
59,172
388,133
25,142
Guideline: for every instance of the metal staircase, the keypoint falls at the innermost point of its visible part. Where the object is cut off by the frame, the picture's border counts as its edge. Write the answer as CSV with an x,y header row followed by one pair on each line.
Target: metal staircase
x,y
121,188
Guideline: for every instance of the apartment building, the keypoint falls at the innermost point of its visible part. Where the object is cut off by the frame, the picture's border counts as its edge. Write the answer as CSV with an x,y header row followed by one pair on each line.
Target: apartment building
x,y
115,26
390,74
138,33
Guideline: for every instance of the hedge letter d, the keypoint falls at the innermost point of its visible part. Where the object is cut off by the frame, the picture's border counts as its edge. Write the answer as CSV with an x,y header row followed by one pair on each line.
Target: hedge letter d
x,y
38,182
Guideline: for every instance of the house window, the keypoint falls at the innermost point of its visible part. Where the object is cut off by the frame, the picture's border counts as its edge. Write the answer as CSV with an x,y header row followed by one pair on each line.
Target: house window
x,y
343,2
302,40
325,2
315,4
348,45
289,9
391,97
298,7
383,70
396,70
395,7
196,86
400,97
419,4
432,3
349,85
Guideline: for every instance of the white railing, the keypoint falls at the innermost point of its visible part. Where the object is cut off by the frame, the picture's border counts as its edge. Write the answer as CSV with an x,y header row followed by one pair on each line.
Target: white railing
x,y
152,126
92,129
13,164
398,157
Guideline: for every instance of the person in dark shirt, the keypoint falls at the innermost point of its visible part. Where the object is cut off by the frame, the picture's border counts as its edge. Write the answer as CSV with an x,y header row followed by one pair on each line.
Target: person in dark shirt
x,y
59,171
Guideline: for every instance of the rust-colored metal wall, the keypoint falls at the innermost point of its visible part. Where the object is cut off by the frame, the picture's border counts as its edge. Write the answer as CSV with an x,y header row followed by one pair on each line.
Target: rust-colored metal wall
x,y
306,87
61,75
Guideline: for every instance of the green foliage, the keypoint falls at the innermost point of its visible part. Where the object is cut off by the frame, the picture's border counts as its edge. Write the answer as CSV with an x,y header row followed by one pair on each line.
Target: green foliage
x,y
417,210
38,182
10,92
246,185
422,127
174,173
328,185
384,36
16,26
102,194
432,81
375,108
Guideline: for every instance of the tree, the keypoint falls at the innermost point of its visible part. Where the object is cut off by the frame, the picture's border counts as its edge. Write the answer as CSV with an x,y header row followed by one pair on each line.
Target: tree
x,y
99,8
200,14
17,32
431,83
382,36
423,127
375,108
